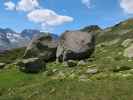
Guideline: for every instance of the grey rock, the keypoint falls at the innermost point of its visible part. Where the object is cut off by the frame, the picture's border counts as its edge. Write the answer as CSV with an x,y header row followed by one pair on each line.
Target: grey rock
x,y
75,45
72,76
61,75
43,47
91,71
31,65
83,78
128,52
81,63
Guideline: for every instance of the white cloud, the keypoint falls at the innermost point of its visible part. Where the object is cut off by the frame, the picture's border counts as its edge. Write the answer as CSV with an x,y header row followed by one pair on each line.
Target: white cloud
x,y
9,5
127,6
87,3
48,18
27,5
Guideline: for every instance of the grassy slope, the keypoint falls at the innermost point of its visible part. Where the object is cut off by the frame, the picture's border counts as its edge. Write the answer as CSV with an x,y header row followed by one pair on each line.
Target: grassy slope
x,y
20,86
113,82
10,56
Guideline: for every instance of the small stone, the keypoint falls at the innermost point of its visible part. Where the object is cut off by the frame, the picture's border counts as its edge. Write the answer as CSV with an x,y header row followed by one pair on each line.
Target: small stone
x,y
65,64
91,71
52,91
61,75
55,70
91,66
127,75
128,52
119,53
83,78
72,76
130,60
81,63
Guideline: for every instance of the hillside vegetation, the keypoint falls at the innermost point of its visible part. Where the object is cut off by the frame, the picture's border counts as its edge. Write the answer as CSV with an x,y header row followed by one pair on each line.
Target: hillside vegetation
x,y
12,55
107,75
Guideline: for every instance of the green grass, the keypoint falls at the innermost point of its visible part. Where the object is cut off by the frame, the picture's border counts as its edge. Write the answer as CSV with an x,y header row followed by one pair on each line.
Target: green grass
x,y
11,78
10,56
49,85
113,89
112,82
16,85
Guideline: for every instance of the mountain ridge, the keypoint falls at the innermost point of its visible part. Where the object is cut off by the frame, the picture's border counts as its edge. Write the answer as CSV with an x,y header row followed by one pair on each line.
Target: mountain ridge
x,y
10,39
110,68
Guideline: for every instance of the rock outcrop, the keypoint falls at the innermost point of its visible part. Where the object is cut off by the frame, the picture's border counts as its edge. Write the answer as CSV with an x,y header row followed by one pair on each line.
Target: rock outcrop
x,y
128,52
43,47
31,65
75,45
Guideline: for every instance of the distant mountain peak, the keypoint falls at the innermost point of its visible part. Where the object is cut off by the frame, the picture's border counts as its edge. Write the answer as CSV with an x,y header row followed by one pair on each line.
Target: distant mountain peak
x,y
6,30
29,33
91,28
10,39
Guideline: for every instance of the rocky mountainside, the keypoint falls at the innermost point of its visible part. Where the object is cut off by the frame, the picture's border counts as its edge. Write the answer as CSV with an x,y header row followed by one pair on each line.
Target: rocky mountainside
x,y
29,33
10,39
117,38
122,30
106,75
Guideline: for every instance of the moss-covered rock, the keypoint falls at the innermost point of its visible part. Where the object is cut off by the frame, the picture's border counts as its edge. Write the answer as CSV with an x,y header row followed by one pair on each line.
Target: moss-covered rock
x,y
31,65
43,47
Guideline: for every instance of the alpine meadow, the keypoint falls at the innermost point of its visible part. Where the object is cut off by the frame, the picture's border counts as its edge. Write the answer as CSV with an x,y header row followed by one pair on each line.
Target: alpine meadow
x,y
66,50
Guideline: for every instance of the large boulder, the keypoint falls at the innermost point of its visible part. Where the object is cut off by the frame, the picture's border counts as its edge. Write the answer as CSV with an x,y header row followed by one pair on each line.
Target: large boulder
x,y
75,45
31,65
43,47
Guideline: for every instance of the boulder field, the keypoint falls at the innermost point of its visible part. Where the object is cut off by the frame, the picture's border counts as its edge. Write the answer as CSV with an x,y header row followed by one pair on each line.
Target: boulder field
x,y
72,45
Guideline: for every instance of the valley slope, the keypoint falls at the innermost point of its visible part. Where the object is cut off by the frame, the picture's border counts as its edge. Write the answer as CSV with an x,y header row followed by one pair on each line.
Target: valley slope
x,y
106,75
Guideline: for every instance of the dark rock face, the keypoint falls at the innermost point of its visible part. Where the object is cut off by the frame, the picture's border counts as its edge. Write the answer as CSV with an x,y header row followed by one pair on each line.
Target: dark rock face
x,y
75,45
91,28
31,65
2,65
70,63
43,47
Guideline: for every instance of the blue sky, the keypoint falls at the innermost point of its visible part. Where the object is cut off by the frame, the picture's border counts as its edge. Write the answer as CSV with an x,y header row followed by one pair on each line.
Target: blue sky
x,y
76,14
